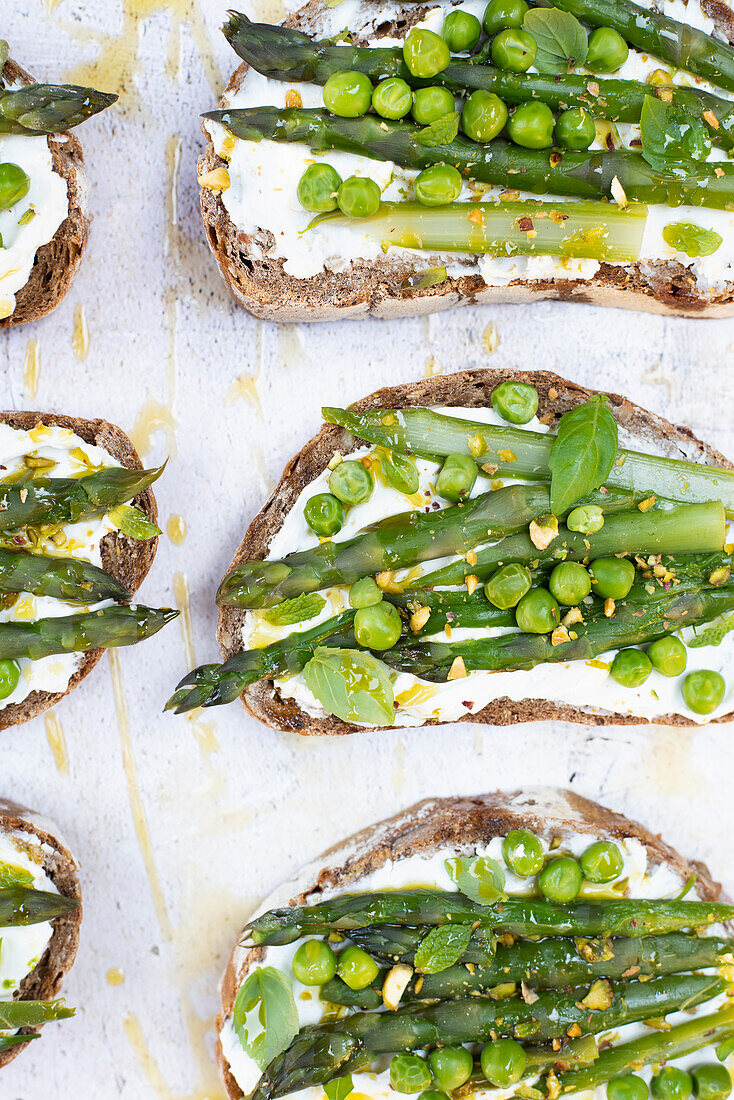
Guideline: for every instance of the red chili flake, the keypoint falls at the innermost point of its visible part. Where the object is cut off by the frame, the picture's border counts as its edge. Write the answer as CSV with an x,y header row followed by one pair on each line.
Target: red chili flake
x,y
610,142
636,142
525,224
450,616
435,504
467,703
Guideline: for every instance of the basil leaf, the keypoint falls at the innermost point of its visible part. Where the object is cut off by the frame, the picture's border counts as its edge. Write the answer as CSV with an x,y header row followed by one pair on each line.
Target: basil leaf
x,y
713,633
560,38
132,522
671,132
354,686
277,1017
339,1088
399,472
692,239
10,875
442,947
582,453
441,132
478,877
302,607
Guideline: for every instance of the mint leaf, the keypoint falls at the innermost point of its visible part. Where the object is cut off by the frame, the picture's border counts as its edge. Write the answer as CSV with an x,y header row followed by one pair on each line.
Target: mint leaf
x,y
302,607
132,522
399,472
441,132
442,947
354,686
692,239
713,633
277,1017
582,453
670,132
561,40
339,1088
10,875
478,877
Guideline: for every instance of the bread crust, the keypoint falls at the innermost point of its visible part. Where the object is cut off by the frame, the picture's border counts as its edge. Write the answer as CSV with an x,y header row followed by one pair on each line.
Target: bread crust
x,y
470,389
45,981
378,289
57,261
127,560
452,823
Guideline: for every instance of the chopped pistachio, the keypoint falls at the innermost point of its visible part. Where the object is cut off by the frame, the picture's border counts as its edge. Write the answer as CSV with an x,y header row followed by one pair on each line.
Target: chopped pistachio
x,y
543,530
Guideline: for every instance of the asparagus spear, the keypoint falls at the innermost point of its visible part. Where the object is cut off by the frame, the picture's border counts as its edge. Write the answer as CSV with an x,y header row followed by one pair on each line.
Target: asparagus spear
x,y
284,53
110,627
317,1053
69,500
21,1013
519,916
49,108
20,905
434,435
580,175
63,578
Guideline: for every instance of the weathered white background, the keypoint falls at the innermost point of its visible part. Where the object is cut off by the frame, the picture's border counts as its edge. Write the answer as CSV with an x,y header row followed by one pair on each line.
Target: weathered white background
x,y
182,826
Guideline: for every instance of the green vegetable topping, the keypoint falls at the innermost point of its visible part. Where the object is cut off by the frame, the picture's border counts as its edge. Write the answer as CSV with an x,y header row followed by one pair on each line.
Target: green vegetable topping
x,y
671,1083
669,131
324,514
392,98
561,40
531,126
9,676
377,626
570,583
691,239
133,522
483,116
602,862
514,50
516,402
425,53
703,690
461,31
611,578
711,1081
451,1066
575,129
608,51
503,1062
430,104
479,878
442,947
354,686
588,519
441,132
437,185
314,963
409,1073
356,968
298,610
668,655
630,667
583,451
359,197
500,14
399,470
560,880
318,188
364,593
627,1087
339,1088
508,585
351,482
537,612
523,852
276,1021
14,185
348,94
457,478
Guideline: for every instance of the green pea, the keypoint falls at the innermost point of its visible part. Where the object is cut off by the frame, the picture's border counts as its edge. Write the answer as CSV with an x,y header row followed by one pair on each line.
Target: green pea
x,y
537,612
359,197
425,53
461,31
483,116
523,852
503,1062
457,477
500,14
630,667
627,1087
451,1066
392,98
317,188
668,655
531,126
377,626
703,690
611,578
588,519
671,1084
432,1094
351,482
437,185
570,583
14,185
602,862
608,51
432,103
355,967
575,129
409,1073
9,676
508,585
711,1081
348,94
514,50
364,593
516,402
314,963
560,880
324,514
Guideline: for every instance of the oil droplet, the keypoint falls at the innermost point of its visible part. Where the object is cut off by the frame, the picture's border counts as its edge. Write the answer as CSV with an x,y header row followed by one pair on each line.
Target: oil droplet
x,y
183,603
136,1037
51,5
57,743
432,368
115,976
491,338
290,345
32,367
246,388
204,732
152,418
80,337
176,529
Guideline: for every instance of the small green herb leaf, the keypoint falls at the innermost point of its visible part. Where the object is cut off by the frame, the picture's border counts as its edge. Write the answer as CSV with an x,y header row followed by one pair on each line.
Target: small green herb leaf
x,y
132,522
339,1088
302,607
692,239
27,217
478,877
713,633
441,132
4,54
442,947
422,280
726,1049
561,40
10,875
354,686
582,453
670,132
8,1041
277,1016
400,472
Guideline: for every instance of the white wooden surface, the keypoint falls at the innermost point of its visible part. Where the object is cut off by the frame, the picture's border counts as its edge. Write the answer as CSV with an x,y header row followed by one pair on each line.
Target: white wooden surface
x,y
182,826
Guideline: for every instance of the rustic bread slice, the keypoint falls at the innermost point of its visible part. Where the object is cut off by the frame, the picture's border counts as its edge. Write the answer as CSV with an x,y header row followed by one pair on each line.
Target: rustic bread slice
x,y
57,261
471,389
459,824
127,560
379,289
59,864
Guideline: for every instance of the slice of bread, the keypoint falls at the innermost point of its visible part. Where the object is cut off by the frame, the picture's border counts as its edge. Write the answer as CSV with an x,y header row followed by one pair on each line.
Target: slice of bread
x,y
127,560
46,980
56,263
457,825
255,273
470,389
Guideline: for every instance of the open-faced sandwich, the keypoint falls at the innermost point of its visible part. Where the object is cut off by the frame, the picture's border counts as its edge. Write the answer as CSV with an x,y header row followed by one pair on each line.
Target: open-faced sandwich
x,y
44,222
72,553
399,158
530,944
40,918
493,546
